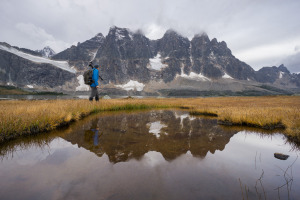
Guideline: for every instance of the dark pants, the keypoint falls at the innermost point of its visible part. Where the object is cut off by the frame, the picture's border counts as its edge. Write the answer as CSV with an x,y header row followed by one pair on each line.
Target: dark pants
x,y
94,93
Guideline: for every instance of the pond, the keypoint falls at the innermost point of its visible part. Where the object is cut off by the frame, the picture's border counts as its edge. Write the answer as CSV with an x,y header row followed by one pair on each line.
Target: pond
x,y
158,154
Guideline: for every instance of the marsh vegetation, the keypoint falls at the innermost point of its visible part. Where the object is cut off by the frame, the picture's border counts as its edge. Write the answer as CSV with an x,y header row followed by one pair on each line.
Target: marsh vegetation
x,y
32,117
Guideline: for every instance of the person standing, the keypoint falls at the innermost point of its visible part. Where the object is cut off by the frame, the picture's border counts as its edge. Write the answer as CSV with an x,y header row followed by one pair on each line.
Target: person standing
x,y
95,84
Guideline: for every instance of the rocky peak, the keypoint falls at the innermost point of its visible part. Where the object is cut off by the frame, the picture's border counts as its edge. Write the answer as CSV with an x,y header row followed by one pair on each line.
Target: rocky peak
x,y
82,53
98,38
174,45
269,74
203,37
120,33
283,68
201,46
46,52
121,43
220,48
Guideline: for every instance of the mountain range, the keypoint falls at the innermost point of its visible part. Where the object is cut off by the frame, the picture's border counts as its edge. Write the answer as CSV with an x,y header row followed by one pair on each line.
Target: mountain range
x,y
132,64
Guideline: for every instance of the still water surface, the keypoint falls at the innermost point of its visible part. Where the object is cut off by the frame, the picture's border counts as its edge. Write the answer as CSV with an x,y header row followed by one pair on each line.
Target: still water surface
x,y
150,155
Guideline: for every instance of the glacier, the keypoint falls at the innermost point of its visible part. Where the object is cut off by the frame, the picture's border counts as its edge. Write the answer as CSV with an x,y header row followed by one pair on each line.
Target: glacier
x,y
64,65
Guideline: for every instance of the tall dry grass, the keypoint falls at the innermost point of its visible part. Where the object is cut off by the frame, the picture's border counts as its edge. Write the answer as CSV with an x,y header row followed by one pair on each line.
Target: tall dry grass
x,y
263,112
31,117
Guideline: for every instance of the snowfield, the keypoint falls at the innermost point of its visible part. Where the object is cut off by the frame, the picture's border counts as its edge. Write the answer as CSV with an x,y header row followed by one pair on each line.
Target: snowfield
x,y
156,64
132,85
193,76
82,86
281,74
227,76
60,64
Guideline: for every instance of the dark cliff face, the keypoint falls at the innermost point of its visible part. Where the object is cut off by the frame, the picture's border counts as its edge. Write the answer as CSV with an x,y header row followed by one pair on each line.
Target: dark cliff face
x,y
277,75
22,72
213,59
80,55
267,74
173,45
124,56
120,43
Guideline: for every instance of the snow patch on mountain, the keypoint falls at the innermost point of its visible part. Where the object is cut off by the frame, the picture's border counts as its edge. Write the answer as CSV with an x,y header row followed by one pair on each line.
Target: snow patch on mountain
x,y
82,86
281,74
99,37
121,34
156,64
132,85
46,52
193,76
60,64
227,76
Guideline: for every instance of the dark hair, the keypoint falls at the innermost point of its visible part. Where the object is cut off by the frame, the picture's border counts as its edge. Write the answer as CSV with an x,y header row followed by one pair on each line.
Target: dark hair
x,y
96,66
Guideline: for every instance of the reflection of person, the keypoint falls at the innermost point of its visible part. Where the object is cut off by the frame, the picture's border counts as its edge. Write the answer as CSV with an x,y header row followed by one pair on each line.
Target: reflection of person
x,y
95,138
93,134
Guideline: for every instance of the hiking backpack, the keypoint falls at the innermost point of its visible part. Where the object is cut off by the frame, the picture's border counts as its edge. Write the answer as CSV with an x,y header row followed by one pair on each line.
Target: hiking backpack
x,y
87,77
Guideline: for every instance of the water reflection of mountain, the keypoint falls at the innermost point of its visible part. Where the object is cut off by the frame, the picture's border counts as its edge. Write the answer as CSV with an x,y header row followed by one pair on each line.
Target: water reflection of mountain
x,y
172,133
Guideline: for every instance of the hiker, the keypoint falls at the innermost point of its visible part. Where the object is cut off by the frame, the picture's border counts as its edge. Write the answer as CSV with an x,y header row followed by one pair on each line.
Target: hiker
x,y
94,85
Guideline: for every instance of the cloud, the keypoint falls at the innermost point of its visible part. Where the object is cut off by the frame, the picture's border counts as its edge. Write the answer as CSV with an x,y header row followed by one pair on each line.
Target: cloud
x,y
154,31
249,26
33,31
40,36
292,62
268,54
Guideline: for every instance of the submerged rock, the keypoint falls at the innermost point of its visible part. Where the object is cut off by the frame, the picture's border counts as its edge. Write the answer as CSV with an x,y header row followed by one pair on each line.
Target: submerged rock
x,y
281,156
106,97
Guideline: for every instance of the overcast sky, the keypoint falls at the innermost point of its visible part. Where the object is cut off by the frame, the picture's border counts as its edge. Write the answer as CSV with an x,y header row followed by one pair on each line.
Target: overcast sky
x,y
259,32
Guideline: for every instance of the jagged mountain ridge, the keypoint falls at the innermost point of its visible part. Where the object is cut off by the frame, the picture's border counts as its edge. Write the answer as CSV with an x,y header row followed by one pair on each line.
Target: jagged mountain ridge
x,y
171,62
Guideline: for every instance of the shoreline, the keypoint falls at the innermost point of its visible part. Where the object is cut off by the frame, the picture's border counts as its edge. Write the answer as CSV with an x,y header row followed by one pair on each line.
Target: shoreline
x,y
24,118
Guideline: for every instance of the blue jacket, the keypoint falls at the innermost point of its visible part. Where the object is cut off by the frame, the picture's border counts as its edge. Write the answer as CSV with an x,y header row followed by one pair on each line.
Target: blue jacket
x,y
95,77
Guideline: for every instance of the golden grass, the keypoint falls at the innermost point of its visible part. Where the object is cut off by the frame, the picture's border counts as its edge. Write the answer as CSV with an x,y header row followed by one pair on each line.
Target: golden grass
x,y
31,117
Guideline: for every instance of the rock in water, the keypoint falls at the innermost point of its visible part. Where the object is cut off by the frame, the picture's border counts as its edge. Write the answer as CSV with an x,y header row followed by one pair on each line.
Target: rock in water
x,y
106,97
281,156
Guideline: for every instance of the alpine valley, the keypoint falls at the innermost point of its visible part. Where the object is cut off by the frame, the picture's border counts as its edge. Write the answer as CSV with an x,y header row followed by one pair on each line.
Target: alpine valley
x,y
132,64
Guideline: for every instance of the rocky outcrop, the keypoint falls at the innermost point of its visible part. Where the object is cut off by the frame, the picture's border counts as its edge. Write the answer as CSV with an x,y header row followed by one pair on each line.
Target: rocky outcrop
x,y
279,76
22,72
124,56
46,52
214,59
79,56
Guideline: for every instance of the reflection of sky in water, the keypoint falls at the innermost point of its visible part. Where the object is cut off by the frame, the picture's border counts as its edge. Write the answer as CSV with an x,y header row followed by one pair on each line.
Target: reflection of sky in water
x,y
61,170
155,128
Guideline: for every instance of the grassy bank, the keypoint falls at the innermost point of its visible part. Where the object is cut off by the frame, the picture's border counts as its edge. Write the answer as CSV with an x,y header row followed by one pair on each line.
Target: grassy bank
x,y
32,117
11,90
262,112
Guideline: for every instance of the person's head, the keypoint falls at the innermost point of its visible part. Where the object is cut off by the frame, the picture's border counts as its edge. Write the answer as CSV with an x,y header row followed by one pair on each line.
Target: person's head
x,y
96,66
